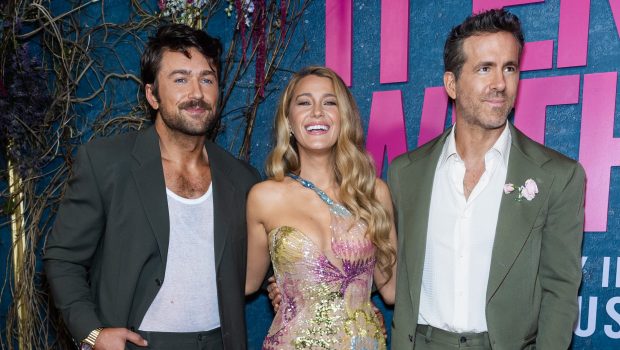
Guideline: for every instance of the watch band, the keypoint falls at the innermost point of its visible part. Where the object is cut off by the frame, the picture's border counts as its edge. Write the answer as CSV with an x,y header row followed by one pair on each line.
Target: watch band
x,y
92,337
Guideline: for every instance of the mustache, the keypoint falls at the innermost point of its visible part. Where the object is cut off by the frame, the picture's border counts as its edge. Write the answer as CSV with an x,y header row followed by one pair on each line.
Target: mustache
x,y
495,93
196,103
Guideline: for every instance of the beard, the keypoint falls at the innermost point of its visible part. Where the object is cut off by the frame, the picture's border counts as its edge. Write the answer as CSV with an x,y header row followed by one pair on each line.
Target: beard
x,y
186,124
475,112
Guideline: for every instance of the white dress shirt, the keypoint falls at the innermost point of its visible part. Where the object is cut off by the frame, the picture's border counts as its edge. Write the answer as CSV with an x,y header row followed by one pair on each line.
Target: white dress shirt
x,y
460,239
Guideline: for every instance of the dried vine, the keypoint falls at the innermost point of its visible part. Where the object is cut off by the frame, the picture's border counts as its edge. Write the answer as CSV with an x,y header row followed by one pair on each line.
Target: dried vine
x,y
64,80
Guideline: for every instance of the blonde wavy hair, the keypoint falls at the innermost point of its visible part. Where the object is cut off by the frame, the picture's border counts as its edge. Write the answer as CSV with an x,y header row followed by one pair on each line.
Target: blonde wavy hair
x,y
353,167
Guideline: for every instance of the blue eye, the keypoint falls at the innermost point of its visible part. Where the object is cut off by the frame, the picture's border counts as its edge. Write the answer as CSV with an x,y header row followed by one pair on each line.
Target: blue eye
x,y
180,80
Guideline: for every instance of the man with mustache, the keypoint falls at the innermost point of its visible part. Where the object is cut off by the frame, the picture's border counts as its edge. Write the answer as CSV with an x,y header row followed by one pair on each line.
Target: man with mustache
x,y
149,244
490,223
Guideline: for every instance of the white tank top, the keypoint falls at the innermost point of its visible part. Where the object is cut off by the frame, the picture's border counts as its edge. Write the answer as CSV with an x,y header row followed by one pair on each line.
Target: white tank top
x,y
187,300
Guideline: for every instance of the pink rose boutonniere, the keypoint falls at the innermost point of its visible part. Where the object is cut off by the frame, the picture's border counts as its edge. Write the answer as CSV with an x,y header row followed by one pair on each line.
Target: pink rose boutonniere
x,y
527,191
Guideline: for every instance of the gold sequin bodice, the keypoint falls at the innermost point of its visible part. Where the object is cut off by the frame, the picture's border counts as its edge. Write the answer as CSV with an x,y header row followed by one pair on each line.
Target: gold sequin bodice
x,y
325,304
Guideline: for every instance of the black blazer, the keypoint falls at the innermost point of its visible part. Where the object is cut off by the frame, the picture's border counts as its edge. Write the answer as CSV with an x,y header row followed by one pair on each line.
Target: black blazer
x,y
106,256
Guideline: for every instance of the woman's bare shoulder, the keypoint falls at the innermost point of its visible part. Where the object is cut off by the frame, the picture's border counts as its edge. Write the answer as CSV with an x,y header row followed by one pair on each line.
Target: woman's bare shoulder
x,y
270,191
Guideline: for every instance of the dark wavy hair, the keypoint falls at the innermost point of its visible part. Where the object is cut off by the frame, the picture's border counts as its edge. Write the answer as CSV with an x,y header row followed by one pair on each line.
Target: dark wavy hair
x,y
491,21
177,38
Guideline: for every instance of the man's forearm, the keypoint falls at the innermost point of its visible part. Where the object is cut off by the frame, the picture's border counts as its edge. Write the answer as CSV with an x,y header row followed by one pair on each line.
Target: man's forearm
x,y
72,296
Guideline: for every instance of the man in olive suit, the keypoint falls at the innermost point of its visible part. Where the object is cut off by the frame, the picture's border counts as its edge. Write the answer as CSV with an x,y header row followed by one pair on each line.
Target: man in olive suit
x,y
490,223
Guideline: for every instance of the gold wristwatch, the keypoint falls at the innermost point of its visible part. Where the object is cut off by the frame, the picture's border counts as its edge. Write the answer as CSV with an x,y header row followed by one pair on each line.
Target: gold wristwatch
x,y
89,342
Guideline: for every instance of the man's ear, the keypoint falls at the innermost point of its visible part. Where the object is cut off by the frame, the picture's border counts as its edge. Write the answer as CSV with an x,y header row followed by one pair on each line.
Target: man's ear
x,y
449,83
151,97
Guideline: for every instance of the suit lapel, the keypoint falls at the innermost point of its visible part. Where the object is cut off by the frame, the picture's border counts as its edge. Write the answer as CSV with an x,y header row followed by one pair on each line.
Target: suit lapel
x,y
416,198
516,218
148,174
223,199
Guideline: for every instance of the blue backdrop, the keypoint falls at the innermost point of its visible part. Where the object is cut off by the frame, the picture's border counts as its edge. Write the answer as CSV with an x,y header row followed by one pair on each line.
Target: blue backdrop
x,y
429,22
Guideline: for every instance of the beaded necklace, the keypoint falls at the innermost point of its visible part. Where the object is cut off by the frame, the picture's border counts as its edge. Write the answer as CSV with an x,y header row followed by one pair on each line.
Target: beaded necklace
x,y
337,208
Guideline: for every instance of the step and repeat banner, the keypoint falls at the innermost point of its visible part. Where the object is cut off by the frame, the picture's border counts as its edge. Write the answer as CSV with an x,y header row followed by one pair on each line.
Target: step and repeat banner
x,y
390,53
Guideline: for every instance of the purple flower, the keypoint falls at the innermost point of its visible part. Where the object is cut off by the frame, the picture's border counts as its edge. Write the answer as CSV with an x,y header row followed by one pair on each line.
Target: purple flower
x,y
250,5
24,102
509,188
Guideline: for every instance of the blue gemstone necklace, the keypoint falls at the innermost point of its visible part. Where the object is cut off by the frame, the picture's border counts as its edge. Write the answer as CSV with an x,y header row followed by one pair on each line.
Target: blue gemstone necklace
x,y
335,207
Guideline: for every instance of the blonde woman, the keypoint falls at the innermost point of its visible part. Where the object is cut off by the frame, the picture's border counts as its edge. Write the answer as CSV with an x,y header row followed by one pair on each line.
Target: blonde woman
x,y
324,219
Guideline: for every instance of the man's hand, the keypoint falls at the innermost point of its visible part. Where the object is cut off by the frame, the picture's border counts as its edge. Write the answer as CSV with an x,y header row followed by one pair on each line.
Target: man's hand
x,y
274,293
115,339
380,317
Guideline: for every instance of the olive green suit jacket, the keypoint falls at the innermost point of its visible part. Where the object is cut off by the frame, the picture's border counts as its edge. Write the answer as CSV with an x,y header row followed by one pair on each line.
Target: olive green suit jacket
x,y
536,260
106,256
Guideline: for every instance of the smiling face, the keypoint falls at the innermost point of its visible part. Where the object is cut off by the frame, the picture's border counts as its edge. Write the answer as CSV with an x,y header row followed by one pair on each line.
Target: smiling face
x,y
313,114
187,93
486,88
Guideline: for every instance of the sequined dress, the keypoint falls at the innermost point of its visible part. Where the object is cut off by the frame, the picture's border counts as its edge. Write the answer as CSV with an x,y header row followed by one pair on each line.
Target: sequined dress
x,y
325,304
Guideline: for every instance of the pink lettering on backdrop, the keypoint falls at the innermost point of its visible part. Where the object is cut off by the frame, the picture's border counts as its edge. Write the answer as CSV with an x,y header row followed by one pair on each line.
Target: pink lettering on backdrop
x,y
598,149
386,128
615,10
536,54
573,33
394,41
535,95
434,111
339,37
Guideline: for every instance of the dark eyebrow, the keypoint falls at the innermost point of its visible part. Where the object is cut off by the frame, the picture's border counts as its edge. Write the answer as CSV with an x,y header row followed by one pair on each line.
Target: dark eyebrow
x,y
511,63
493,64
207,72
179,71
188,72
486,64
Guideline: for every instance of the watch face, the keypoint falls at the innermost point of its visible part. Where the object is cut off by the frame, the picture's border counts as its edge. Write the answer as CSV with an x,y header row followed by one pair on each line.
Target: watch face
x,y
85,346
